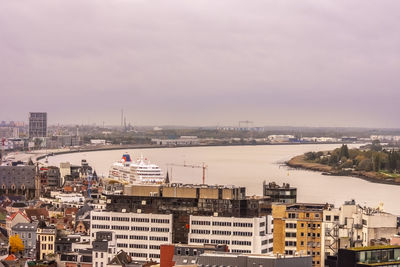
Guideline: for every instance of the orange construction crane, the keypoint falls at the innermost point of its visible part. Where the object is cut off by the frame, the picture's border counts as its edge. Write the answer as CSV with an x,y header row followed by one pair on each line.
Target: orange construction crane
x,y
203,166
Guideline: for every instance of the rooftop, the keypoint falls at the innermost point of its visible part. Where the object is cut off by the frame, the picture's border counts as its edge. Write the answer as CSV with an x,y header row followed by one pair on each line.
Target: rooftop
x,y
373,248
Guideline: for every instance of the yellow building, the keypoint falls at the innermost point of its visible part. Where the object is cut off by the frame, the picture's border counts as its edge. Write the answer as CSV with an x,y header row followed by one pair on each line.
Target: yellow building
x,y
298,230
46,237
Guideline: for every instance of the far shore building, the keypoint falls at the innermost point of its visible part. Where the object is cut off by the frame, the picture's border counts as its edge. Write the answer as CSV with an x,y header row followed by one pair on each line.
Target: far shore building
x,y
37,124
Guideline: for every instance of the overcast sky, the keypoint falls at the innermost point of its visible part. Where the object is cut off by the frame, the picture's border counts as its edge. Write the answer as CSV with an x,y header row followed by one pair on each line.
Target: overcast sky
x,y
202,62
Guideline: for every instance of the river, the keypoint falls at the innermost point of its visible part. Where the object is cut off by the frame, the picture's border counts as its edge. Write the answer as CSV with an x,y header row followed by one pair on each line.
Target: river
x,y
249,166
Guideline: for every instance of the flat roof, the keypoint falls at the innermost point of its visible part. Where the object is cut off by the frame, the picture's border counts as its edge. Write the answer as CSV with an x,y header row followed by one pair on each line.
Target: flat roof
x,y
373,248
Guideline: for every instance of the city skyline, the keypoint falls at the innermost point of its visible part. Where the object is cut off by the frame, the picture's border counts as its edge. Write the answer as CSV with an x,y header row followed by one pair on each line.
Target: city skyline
x,y
202,64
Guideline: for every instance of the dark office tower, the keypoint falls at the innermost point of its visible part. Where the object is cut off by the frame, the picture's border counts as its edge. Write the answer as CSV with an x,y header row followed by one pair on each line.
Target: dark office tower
x,y
280,194
37,124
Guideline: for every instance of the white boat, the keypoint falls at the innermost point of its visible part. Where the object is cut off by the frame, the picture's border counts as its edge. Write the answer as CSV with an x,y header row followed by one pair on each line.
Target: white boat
x,y
139,171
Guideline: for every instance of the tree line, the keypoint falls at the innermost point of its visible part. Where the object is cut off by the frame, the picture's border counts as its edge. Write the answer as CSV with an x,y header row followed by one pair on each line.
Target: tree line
x,y
373,159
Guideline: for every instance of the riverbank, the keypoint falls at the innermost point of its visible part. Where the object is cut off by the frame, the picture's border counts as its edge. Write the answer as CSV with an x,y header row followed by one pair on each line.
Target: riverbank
x,y
375,177
37,155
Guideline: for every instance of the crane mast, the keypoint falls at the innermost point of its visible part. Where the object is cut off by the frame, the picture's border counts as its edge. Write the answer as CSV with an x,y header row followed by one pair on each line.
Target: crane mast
x,y
203,166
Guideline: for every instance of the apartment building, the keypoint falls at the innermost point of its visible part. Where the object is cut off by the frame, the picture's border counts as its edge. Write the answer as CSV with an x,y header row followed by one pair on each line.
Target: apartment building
x,y
139,234
354,226
280,194
46,237
104,248
27,233
387,256
37,124
298,230
182,201
241,235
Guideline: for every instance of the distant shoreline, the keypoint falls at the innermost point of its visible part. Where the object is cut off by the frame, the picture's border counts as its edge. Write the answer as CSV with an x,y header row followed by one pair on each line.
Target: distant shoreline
x,y
147,146
299,162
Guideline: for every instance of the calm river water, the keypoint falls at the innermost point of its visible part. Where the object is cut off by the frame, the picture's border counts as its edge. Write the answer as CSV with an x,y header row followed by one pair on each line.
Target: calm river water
x,y
249,166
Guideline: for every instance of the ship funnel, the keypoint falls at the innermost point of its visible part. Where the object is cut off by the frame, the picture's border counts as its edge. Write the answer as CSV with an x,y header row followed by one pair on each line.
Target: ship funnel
x,y
126,158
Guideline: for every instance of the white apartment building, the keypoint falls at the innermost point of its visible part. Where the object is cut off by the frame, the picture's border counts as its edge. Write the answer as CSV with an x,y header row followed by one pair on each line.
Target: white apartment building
x,y
354,226
242,235
138,234
104,250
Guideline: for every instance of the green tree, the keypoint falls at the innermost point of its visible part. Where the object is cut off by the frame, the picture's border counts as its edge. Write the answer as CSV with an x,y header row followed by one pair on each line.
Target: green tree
x,y
376,161
365,165
376,145
344,152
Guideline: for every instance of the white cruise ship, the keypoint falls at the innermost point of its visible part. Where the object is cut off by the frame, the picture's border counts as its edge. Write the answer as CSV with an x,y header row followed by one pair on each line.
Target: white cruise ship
x,y
136,172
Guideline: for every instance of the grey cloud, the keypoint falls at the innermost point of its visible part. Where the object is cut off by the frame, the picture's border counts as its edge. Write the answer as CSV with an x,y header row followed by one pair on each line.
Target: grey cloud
x,y
202,62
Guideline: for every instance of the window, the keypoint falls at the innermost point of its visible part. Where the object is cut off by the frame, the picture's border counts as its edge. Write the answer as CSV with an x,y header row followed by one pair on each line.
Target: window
x,y
241,243
138,237
140,228
222,242
160,220
140,246
145,220
159,238
289,234
217,232
120,219
237,224
158,229
200,231
198,240
291,225
290,243
221,223
235,233
201,223
328,218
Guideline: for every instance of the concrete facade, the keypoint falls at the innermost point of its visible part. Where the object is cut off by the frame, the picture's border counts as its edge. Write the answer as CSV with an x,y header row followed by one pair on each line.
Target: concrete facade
x,y
354,226
27,233
241,235
138,234
298,230
37,124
